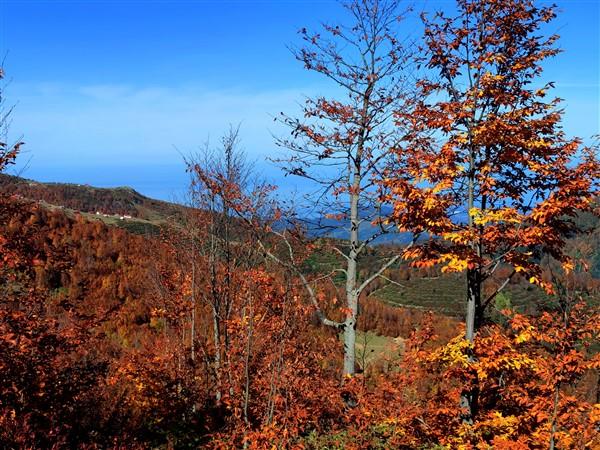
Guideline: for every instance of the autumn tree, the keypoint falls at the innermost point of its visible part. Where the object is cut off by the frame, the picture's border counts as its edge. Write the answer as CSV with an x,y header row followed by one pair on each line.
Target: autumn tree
x,y
8,154
8,151
225,196
255,329
487,171
341,143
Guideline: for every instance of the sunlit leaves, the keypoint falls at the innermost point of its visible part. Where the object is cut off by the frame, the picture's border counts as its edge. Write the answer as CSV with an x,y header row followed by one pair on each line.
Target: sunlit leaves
x,y
486,144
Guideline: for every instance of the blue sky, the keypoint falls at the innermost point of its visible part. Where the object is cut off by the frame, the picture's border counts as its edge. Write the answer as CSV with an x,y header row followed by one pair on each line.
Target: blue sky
x,y
108,92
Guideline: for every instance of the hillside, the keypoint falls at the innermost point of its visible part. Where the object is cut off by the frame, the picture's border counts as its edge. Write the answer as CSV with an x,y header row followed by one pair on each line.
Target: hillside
x,y
90,199
117,304
121,206
416,289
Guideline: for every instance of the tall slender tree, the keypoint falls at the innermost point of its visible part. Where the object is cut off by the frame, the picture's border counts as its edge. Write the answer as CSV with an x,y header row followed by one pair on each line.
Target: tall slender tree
x,y
487,170
213,239
341,143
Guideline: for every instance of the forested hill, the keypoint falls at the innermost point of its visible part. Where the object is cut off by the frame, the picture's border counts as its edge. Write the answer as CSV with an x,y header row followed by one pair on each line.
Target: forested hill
x,y
421,289
144,215
120,201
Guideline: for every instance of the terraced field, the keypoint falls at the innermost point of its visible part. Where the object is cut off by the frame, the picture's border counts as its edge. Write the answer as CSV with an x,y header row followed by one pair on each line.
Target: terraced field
x,y
443,294
446,295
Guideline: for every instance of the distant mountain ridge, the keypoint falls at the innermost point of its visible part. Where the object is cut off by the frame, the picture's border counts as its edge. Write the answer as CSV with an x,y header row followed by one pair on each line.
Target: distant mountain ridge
x,y
147,214
332,228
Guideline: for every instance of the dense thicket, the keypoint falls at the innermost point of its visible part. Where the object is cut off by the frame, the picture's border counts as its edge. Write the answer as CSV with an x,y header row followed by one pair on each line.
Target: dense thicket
x,y
96,351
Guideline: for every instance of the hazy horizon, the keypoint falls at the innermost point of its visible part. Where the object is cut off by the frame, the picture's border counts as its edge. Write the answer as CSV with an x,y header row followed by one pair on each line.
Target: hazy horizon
x,y
102,97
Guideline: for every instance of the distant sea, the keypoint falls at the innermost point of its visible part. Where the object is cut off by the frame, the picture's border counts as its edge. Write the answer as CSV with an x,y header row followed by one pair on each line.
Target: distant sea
x,y
167,182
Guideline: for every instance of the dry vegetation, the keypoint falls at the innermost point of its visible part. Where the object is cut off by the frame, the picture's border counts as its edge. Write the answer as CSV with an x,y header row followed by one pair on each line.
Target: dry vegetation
x,y
215,326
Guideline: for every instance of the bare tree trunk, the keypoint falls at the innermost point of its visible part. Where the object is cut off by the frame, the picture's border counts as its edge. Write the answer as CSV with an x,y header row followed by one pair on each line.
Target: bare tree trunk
x,y
229,147
352,292
554,414
350,336
193,319
276,372
247,363
217,357
215,301
469,396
